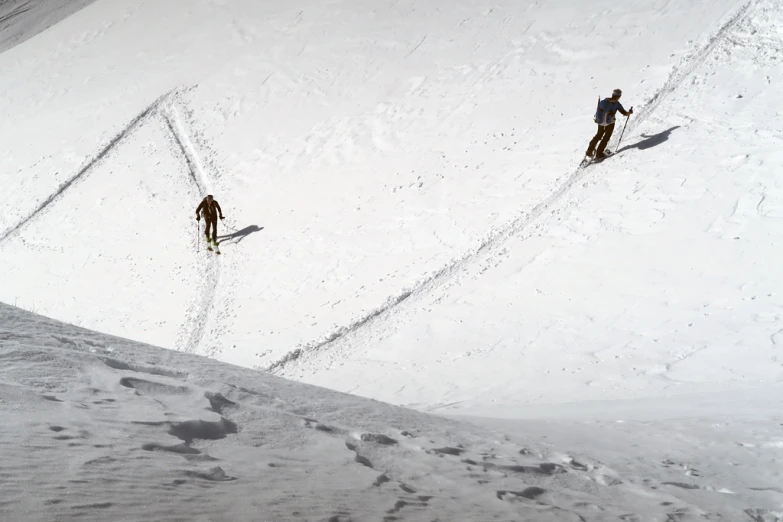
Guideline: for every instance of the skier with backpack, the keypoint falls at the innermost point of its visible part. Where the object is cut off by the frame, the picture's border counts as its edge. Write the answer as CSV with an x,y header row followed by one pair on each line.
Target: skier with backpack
x,y
210,209
604,117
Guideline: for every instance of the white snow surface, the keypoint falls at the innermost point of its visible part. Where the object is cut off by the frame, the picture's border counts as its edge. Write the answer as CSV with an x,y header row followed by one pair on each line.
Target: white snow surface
x,y
95,427
407,221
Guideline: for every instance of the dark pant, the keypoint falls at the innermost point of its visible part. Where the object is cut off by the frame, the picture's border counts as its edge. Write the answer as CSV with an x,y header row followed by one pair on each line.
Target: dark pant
x,y
603,134
213,223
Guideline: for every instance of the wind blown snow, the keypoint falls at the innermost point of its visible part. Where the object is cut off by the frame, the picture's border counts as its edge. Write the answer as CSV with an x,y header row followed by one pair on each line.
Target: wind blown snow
x,y
95,427
407,221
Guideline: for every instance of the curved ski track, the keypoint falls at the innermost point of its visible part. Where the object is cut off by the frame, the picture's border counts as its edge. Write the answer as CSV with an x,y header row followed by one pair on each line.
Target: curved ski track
x,y
496,238
164,107
199,312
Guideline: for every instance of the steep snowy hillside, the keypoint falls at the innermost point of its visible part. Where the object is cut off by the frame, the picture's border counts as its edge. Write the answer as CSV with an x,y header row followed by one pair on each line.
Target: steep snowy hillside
x,y
357,153
94,427
406,221
651,274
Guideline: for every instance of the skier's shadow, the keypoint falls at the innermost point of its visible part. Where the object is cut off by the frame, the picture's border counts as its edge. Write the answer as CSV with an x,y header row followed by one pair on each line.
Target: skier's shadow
x,y
239,235
651,141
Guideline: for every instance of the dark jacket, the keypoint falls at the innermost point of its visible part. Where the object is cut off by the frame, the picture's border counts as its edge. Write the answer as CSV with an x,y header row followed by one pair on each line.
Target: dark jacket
x,y
209,211
606,111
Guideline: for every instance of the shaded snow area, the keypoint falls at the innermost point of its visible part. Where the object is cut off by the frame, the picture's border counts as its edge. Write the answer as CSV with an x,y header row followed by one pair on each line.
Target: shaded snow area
x,y
408,220
23,19
95,427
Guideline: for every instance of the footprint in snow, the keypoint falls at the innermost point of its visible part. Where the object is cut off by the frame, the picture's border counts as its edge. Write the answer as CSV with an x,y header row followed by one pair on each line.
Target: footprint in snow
x,y
215,474
377,438
120,365
531,493
154,388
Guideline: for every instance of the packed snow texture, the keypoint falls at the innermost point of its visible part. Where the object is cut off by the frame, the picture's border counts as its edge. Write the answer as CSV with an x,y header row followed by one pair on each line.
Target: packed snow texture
x,y
94,427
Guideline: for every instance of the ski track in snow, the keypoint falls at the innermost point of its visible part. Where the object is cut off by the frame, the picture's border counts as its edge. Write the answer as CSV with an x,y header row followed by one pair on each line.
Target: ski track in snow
x,y
688,64
165,107
88,167
16,11
200,311
498,237
174,124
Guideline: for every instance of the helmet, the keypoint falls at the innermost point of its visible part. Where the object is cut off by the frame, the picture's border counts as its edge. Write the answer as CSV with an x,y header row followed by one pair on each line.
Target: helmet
x,y
616,94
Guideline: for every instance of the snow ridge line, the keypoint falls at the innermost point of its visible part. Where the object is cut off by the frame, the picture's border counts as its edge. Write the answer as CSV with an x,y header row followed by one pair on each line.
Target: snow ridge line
x,y
199,312
87,167
499,236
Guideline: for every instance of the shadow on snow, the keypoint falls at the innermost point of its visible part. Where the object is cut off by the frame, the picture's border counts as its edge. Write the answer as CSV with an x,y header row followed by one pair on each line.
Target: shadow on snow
x,y
238,235
650,141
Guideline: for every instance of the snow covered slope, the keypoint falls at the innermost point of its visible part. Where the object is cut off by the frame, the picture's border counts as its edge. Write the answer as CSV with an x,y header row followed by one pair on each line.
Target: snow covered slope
x,y
94,427
406,222
357,153
651,274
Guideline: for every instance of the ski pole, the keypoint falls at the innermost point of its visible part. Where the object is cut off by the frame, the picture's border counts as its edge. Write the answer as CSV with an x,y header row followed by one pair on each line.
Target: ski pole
x,y
198,237
621,134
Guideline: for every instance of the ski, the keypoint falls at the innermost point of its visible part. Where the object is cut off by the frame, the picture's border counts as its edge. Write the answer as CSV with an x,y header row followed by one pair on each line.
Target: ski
x,y
589,160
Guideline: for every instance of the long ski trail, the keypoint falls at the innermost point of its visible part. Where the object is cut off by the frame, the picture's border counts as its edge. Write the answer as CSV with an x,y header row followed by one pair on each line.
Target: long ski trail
x,y
377,323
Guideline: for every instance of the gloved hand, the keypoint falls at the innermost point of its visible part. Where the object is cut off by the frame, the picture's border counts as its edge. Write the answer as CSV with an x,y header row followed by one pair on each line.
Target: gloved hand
x,y
198,218
221,218
630,111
